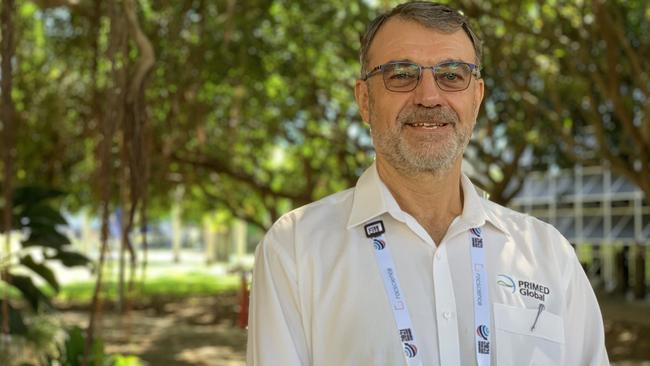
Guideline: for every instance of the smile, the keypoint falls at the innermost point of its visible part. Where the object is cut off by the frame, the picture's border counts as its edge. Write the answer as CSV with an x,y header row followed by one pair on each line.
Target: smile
x,y
427,125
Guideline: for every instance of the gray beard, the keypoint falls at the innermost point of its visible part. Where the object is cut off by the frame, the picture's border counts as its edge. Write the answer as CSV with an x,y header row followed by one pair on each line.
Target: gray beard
x,y
426,156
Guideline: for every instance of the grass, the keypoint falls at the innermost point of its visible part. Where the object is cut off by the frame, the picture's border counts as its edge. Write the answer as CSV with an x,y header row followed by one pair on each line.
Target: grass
x,y
168,286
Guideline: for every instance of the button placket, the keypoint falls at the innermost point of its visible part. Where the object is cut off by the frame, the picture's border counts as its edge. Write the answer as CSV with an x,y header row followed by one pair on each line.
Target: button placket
x,y
447,326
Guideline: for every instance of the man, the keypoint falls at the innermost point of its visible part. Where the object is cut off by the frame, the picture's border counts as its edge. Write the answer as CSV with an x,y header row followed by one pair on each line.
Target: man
x,y
412,267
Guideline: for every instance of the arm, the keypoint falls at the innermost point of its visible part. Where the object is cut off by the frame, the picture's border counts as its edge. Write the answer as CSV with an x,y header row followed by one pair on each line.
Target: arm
x,y
583,322
275,332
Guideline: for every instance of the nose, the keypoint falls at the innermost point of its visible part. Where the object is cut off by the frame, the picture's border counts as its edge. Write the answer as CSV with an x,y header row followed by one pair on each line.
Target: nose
x,y
427,93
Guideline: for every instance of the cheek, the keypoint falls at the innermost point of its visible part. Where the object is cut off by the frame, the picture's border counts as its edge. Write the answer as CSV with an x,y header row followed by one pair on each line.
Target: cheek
x,y
385,108
467,109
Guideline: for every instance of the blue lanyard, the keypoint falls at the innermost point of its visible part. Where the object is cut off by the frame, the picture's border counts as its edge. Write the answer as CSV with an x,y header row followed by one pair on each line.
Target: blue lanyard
x,y
375,232
481,299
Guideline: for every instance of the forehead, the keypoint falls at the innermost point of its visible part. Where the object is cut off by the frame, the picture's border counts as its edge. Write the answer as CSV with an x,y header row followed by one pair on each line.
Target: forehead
x,y
400,39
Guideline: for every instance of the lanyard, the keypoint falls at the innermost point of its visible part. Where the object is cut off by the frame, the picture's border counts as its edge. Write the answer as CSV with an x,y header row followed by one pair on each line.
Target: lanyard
x,y
375,232
481,299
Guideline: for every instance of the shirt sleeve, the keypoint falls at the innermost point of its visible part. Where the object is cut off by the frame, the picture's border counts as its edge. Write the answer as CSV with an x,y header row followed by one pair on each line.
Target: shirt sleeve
x,y
275,331
583,322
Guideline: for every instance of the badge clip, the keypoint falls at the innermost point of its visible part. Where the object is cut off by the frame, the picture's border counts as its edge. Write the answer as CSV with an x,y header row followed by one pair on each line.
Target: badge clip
x,y
374,229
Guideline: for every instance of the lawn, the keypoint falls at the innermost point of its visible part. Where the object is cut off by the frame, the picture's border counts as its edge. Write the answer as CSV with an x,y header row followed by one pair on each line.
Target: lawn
x,y
171,286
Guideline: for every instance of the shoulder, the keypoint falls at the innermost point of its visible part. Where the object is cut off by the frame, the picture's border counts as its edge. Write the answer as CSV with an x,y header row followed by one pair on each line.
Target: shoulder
x,y
512,220
528,231
328,213
536,241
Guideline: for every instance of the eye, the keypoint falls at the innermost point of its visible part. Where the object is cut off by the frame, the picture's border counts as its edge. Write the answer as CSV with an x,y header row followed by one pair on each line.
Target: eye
x,y
402,72
453,73
452,76
402,75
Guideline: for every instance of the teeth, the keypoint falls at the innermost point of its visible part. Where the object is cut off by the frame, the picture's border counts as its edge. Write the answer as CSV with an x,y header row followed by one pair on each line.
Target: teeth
x,y
427,125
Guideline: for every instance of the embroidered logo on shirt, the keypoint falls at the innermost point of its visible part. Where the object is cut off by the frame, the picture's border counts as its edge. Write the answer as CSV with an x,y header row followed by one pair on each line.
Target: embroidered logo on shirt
x,y
476,231
410,350
374,229
506,281
526,288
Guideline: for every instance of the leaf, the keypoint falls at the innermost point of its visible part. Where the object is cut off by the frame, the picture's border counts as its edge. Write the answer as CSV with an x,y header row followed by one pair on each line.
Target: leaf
x,y
71,259
45,236
74,349
30,195
74,346
42,270
42,214
30,292
97,352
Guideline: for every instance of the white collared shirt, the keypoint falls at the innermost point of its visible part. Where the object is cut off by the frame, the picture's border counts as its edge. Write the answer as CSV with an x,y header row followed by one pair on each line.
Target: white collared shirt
x,y
318,298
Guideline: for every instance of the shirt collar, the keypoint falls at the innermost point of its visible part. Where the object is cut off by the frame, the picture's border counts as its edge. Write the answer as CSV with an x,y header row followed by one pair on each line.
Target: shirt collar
x,y
369,200
372,198
475,208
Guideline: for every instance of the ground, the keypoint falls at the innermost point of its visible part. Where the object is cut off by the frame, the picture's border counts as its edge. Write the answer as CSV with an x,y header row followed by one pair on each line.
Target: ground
x,y
195,331
203,331
627,329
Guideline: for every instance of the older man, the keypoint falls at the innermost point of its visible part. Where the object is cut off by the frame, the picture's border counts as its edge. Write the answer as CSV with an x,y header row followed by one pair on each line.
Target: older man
x,y
412,266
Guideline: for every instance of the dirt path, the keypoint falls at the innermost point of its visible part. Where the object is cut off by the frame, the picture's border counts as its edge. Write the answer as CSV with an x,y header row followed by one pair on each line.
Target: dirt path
x,y
202,332
197,331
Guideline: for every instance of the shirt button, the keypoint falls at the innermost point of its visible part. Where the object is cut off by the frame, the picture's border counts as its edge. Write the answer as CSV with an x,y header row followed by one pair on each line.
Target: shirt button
x,y
438,255
447,315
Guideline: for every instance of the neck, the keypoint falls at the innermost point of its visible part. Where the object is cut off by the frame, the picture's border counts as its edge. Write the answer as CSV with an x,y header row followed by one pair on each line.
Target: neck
x,y
434,199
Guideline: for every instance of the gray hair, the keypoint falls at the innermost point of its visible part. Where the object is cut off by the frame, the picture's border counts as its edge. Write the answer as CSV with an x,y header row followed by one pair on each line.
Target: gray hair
x,y
431,15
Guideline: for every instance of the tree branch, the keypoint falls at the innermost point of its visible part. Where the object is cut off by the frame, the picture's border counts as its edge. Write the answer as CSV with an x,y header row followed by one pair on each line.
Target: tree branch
x,y
219,167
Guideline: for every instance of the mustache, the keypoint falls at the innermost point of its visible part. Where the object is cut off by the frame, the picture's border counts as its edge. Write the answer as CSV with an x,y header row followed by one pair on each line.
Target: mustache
x,y
428,115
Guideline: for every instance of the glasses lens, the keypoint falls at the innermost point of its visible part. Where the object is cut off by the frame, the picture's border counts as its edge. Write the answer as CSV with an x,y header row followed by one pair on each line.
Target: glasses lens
x,y
453,76
401,76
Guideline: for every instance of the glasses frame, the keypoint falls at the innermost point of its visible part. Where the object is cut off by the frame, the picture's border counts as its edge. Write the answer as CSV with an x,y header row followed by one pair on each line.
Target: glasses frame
x,y
474,69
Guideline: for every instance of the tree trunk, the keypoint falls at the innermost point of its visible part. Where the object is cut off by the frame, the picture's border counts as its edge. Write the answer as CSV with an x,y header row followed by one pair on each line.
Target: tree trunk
x,y
239,239
639,271
177,224
8,141
209,237
622,270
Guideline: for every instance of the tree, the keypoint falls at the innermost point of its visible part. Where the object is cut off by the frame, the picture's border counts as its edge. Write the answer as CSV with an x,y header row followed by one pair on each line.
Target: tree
x,y
268,122
7,113
592,79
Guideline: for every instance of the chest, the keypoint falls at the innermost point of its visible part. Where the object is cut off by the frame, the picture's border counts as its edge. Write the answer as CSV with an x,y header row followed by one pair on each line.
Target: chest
x,y
349,319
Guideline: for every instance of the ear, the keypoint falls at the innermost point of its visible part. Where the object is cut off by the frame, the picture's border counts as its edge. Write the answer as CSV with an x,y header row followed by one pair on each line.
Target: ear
x,y
478,96
363,99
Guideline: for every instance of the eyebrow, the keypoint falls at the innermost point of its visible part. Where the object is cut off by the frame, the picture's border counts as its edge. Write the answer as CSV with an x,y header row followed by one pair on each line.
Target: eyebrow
x,y
447,60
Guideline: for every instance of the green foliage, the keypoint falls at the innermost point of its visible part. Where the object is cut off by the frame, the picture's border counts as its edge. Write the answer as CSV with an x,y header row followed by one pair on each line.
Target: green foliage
x,y
268,119
48,343
120,360
39,223
251,103
168,286
70,352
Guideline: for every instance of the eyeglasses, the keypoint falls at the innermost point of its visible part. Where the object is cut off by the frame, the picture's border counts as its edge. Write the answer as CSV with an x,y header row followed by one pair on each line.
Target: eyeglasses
x,y
405,76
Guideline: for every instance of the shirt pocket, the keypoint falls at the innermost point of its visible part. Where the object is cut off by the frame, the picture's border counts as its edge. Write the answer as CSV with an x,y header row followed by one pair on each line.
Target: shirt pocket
x,y
517,345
